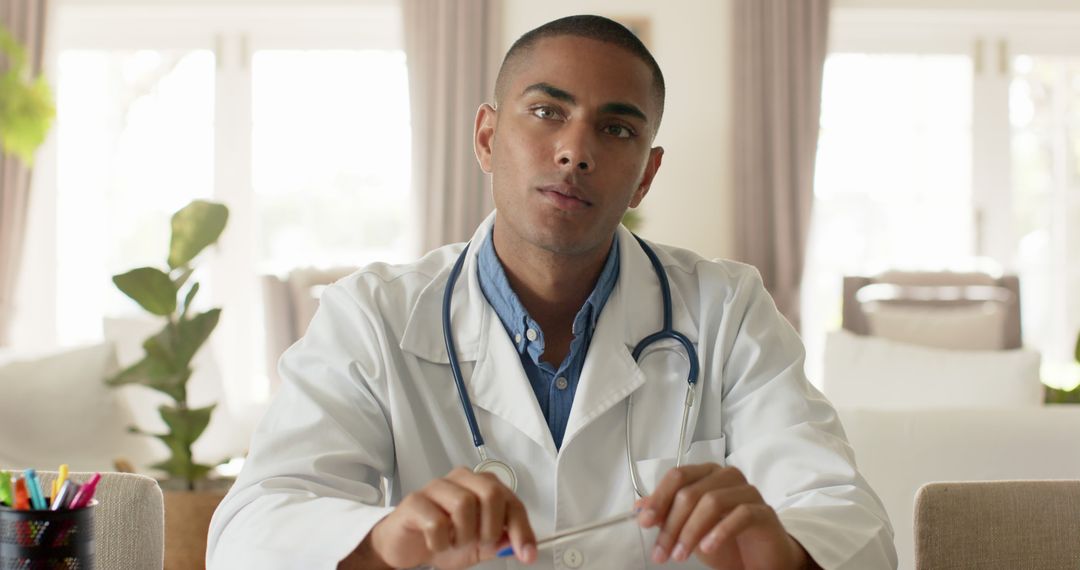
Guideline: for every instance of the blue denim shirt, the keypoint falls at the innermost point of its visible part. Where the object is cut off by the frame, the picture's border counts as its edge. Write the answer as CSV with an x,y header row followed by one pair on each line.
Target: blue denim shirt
x,y
554,387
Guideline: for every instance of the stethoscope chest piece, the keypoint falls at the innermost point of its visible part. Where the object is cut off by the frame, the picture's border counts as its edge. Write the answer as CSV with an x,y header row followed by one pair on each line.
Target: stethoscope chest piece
x,y
500,470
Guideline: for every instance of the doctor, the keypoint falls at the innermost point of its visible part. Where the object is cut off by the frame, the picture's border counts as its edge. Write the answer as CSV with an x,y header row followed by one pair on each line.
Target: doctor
x,y
551,298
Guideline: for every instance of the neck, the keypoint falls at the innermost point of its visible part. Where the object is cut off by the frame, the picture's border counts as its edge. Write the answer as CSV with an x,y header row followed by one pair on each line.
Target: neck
x,y
551,286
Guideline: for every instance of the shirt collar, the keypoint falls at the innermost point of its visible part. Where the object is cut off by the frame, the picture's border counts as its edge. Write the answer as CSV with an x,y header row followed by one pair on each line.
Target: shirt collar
x,y
515,318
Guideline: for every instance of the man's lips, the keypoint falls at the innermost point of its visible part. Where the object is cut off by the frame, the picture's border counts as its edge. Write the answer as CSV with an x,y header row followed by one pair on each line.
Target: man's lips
x,y
565,196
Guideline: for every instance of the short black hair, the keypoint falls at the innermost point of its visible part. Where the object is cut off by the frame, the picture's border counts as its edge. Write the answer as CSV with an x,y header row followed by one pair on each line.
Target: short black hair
x,y
592,27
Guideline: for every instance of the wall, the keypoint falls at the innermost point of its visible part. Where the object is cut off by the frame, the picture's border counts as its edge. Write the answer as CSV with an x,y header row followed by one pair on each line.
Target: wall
x,y
690,201
1066,5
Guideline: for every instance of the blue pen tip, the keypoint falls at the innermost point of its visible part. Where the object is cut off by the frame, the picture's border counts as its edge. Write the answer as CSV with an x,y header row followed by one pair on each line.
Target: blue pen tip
x,y
508,551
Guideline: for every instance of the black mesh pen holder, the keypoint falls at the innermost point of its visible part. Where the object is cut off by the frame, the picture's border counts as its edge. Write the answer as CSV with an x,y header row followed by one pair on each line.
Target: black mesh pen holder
x,y
47,540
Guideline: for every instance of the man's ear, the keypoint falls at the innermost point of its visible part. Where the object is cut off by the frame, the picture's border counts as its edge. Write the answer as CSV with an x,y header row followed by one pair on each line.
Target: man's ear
x,y
656,156
484,135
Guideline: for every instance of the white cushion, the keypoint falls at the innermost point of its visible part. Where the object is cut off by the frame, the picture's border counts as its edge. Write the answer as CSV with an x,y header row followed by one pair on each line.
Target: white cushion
x,y
899,451
978,326
869,372
55,408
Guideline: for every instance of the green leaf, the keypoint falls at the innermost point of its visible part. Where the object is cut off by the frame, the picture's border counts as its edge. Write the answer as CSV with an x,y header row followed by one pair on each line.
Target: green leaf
x,y
149,287
155,374
188,298
182,278
27,108
194,227
1077,354
186,424
193,332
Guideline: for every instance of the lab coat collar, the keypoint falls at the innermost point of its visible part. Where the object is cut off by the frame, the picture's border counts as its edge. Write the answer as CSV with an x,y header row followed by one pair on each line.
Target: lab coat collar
x,y
498,383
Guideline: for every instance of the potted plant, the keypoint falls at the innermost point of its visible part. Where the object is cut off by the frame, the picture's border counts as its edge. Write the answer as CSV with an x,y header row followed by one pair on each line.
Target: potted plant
x,y
1072,396
26,103
166,367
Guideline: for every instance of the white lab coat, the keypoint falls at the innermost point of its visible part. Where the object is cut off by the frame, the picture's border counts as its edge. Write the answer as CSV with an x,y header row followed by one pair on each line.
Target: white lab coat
x,y
368,393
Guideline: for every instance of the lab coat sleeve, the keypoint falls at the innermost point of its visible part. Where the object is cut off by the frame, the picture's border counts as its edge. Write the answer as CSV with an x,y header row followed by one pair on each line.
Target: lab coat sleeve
x,y
310,488
787,439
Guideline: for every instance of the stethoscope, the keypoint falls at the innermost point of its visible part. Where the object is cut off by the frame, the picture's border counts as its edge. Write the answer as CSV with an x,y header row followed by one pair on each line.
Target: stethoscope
x,y
504,472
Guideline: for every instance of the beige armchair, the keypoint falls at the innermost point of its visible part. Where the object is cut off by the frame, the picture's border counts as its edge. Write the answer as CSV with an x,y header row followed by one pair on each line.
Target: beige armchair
x,y
975,311
289,303
129,524
992,525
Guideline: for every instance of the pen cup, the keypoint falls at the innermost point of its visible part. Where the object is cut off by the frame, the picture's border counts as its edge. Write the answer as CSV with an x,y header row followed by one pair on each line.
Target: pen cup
x,y
47,540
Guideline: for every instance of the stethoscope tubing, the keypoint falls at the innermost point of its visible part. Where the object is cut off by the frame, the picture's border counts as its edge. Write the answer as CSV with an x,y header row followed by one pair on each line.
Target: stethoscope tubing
x,y
667,332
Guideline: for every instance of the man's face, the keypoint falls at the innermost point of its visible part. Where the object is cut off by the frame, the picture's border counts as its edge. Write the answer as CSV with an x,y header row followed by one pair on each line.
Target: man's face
x,y
569,146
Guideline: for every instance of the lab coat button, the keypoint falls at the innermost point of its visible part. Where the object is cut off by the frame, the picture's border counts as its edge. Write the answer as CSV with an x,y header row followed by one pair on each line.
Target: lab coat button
x,y
530,334
561,383
573,558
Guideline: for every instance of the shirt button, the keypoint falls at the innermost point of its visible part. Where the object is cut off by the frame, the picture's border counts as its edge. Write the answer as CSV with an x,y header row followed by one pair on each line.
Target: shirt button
x,y
573,558
530,334
517,338
561,383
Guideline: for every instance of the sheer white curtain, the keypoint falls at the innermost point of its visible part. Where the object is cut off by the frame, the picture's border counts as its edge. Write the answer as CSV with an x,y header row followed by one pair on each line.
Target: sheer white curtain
x,y
452,49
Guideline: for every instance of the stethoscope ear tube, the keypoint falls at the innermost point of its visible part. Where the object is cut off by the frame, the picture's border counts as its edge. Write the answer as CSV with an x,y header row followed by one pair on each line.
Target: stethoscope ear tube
x,y
451,352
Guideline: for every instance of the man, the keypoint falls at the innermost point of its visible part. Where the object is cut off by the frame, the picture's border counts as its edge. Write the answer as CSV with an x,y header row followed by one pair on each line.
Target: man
x,y
552,297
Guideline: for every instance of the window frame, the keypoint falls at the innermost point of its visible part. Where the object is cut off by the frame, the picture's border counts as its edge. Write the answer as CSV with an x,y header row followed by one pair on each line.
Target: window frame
x,y
233,34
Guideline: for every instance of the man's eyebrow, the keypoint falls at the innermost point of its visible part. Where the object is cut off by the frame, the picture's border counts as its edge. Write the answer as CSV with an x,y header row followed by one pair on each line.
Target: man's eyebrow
x,y
551,91
623,109
608,108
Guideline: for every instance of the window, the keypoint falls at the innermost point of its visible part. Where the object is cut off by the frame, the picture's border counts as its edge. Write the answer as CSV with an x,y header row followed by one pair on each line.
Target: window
x,y
951,142
297,119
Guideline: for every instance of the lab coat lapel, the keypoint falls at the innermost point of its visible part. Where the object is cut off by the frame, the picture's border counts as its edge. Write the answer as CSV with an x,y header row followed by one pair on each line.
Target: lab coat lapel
x,y
497,382
632,312
500,386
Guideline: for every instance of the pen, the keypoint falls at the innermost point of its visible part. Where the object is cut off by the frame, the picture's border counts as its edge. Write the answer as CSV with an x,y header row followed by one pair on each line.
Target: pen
x,y
572,533
86,493
22,501
60,478
33,486
63,497
5,488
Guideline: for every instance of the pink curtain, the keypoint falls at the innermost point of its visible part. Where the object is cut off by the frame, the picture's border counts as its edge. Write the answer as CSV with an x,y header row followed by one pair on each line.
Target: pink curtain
x,y
780,48
453,52
26,21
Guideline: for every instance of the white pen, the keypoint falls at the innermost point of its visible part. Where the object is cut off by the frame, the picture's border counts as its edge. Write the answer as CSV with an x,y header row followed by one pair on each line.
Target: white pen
x,y
572,533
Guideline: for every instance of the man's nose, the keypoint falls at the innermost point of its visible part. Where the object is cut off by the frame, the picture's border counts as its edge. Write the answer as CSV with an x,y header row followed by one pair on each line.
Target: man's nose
x,y
575,151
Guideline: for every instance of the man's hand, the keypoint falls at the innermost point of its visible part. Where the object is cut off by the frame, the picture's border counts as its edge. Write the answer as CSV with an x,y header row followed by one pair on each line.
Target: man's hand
x,y
454,522
713,512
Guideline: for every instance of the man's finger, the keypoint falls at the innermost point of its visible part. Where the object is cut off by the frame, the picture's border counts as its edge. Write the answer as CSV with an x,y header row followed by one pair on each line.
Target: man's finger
x,y
711,508
461,506
431,521
492,496
656,505
520,531
731,526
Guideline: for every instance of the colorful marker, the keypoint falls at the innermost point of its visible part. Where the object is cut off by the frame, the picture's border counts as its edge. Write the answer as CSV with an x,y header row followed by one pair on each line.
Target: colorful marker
x,y
64,496
5,488
33,486
86,493
59,481
22,500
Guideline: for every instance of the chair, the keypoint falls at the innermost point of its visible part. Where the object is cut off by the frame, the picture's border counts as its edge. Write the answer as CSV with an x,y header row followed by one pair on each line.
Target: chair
x,y
942,309
1006,525
289,304
129,524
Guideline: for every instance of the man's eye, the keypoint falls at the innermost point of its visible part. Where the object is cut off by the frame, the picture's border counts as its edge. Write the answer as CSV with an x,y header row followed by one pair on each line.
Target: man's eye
x,y
545,113
619,131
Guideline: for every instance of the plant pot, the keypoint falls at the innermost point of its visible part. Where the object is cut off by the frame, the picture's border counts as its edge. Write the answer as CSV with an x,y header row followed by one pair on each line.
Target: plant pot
x,y
187,522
